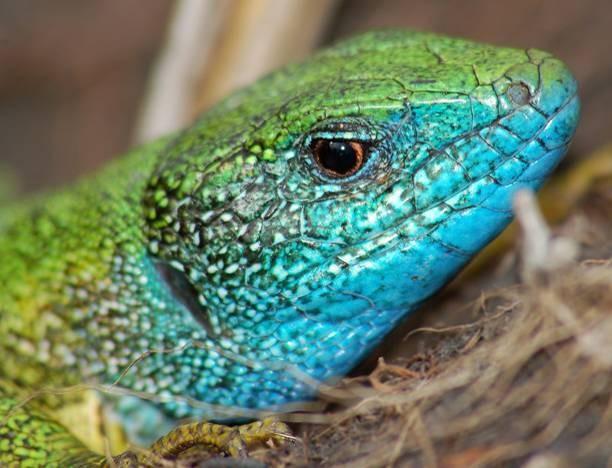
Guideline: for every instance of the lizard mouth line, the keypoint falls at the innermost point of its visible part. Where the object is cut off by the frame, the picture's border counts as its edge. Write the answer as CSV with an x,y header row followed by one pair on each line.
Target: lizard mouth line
x,y
185,293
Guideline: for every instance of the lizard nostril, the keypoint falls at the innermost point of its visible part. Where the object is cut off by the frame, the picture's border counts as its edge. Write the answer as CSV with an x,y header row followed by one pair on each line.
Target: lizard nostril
x,y
519,93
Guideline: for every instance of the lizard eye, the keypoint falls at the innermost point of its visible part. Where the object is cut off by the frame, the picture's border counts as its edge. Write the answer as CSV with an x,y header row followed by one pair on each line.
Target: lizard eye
x,y
339,158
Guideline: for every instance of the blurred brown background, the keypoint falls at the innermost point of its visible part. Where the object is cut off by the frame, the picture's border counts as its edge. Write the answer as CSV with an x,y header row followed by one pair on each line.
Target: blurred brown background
x,y
74,73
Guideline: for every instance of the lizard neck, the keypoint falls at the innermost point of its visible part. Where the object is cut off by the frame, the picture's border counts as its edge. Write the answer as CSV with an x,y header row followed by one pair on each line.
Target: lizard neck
x,y
58,251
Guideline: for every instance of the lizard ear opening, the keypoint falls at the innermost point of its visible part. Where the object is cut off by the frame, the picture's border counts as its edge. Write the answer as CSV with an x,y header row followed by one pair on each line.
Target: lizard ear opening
x,y
183,291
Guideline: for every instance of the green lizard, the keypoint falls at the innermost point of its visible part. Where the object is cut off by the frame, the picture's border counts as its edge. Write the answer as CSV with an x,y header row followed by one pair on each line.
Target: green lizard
x,y
271,244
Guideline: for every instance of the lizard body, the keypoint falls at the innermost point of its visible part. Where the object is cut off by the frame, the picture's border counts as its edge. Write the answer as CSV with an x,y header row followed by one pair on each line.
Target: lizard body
x,y
285,232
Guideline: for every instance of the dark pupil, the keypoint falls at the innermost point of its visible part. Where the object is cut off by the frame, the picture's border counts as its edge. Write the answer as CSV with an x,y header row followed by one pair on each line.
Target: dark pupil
x,y
337,156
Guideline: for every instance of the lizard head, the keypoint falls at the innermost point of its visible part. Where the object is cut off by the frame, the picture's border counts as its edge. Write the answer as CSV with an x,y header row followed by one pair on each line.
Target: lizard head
x,y
302,218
